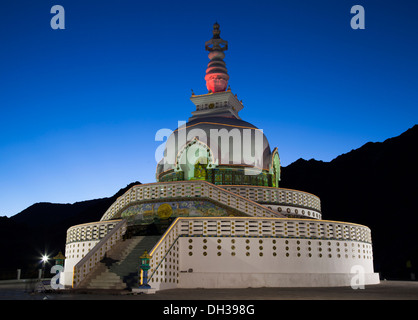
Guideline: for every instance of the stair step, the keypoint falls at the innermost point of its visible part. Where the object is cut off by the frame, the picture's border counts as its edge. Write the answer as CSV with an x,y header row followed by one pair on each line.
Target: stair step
x,y
124,271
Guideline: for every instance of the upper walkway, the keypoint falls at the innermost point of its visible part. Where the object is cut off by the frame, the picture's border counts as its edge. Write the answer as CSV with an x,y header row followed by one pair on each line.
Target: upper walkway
x,y
250,200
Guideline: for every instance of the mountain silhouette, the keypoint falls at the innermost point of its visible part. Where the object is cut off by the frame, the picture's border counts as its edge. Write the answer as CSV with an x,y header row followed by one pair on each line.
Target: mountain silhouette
x,y
42,228
375,185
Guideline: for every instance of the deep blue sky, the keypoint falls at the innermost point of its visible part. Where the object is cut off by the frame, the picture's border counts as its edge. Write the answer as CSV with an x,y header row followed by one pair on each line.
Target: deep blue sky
x,y
80,107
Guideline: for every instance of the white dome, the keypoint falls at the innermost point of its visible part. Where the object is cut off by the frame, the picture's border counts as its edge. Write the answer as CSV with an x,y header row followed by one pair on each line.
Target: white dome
x,y
223,141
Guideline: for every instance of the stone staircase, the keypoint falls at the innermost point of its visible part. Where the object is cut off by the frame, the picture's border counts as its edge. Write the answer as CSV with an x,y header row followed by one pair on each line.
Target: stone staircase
x,y
119,269
106,280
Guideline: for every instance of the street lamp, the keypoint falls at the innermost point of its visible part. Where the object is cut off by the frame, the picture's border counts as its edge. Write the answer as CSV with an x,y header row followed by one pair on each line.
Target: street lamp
x,y
59,259
145,267
45,259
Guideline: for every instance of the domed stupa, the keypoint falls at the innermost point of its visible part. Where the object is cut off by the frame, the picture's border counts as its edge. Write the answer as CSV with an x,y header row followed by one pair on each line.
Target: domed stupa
x,y
216,217
216,145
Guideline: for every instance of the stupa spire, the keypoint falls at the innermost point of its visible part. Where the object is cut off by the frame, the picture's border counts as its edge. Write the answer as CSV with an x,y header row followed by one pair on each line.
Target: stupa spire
x,y
216,73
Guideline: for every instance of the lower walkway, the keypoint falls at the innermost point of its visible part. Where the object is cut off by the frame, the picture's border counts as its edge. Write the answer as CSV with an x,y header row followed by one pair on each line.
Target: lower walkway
x,y
386,290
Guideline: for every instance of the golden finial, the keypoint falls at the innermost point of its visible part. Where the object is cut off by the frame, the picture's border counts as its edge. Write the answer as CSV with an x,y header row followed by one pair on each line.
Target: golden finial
x,y
216,31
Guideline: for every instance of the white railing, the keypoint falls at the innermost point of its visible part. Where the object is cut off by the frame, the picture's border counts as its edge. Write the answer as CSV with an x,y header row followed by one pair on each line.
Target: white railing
x,y
93,257
187,189
277,196
90,231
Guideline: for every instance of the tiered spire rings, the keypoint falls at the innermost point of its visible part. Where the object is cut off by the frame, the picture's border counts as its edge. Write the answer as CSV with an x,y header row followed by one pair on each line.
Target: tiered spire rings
x,y
216,73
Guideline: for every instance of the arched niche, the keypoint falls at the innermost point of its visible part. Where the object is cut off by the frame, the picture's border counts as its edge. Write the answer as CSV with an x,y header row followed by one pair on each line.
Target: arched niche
x,y
194,159
274,169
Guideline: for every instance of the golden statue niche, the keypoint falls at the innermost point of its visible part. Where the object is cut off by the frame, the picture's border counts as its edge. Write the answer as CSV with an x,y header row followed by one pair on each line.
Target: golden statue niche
x,y
200,169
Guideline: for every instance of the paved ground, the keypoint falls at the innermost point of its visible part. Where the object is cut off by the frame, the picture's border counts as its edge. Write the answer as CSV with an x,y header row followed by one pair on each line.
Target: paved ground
x,y
386,290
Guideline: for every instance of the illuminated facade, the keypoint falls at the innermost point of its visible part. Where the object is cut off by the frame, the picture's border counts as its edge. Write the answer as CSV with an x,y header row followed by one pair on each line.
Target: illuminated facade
x,y
216,217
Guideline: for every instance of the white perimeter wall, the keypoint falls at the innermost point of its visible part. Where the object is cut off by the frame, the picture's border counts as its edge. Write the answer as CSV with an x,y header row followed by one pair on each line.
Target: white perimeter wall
x,y
226,262
74,252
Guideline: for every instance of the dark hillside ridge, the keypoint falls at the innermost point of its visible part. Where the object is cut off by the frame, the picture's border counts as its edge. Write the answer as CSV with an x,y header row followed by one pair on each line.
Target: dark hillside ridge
x,y
43,227
375,185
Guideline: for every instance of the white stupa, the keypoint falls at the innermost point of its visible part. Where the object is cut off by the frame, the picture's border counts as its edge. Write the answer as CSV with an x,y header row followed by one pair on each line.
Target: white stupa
x,y
216,217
